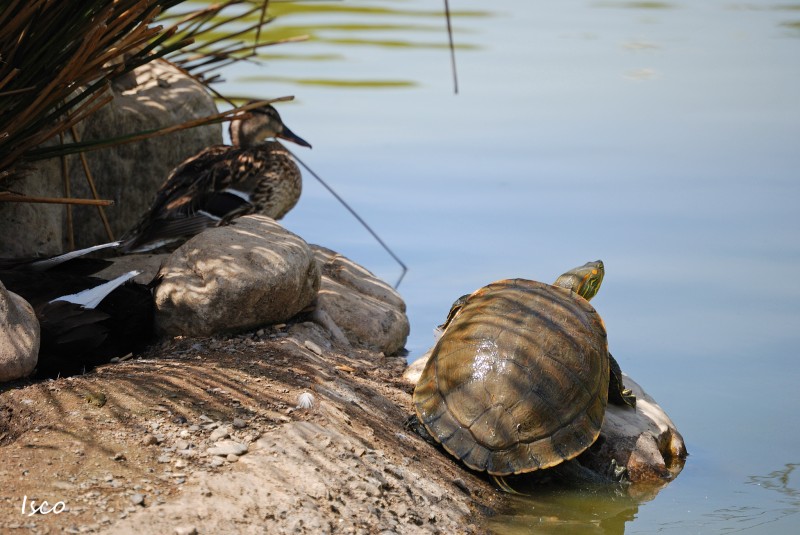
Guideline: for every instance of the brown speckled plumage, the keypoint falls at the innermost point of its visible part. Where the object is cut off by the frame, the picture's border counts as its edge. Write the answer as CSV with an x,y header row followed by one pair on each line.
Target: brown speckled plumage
x,y
223,182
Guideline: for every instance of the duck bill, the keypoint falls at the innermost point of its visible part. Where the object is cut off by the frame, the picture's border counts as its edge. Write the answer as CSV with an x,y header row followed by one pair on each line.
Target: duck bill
x,y
288,135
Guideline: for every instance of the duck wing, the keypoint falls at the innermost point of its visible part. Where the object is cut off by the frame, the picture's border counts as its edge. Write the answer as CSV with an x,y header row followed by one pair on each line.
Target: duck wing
x,y
207,190
73,262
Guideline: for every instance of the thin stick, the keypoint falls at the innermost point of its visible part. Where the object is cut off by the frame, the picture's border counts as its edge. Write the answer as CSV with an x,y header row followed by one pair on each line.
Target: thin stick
x,y
452,46
67,193
13,197
88,173
52,152
358,217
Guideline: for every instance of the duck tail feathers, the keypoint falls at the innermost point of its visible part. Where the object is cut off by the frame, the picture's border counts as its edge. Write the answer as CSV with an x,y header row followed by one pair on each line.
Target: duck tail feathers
x,y
93,296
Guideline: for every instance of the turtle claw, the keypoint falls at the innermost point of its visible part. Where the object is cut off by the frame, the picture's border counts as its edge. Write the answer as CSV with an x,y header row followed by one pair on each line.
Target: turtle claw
x,y
628,397
413,424
617,393
617,472
504,485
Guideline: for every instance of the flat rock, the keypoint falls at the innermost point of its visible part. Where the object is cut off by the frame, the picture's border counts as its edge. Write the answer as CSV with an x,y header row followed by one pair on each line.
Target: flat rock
x,y
19,336
232,278
227,447
306,478
369,313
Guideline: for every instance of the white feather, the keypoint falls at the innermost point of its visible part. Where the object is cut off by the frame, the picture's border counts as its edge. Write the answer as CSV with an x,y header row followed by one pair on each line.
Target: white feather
x,y
305,401
47,263
91,298
237,193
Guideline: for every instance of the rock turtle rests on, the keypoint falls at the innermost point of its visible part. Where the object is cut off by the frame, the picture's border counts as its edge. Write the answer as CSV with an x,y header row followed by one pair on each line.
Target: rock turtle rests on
x,y
521,376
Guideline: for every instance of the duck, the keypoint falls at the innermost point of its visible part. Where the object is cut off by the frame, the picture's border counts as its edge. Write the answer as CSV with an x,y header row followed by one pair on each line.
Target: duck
x,y
255,174
84,320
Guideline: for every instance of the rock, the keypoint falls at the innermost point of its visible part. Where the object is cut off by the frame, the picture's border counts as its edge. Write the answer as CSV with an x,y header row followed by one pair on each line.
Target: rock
x,y
250,273
369,313
129,174
137,499
220,433
148,264
227,447
19,336
414,370
644,440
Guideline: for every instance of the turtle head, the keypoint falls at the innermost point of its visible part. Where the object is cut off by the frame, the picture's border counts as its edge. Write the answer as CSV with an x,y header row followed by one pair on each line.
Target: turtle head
x,y
584,280
259,124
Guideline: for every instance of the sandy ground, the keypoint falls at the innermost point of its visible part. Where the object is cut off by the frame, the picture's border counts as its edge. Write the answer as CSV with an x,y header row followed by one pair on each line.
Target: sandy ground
x,y
207,436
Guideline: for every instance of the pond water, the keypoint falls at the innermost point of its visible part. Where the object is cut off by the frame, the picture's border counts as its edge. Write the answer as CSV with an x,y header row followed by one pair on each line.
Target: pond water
x,y
661,137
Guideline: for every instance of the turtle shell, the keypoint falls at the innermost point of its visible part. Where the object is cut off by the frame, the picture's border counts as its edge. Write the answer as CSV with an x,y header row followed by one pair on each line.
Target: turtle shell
x,y
519,379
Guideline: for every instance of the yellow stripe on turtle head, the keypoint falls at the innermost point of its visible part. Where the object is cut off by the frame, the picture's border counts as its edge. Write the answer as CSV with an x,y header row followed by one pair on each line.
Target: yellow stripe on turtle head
x,y
584,280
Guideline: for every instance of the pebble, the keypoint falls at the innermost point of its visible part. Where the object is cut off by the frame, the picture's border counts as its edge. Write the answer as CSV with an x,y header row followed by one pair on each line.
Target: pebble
x,y
137,499
165,459
219,434
185,530
314,348
232,458
227,447
149,440
238,423
181,445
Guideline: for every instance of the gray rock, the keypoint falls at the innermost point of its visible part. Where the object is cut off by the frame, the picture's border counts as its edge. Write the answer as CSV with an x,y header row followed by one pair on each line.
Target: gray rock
x,y
128,174
19,336
644,441
220,433
227,447
369,313
414,370
250,273
148,264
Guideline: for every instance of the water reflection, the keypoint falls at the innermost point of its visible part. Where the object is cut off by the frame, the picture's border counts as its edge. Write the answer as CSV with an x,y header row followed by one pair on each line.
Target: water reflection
x,y
330,82
337,26
550,506
786,482
637,5
565,511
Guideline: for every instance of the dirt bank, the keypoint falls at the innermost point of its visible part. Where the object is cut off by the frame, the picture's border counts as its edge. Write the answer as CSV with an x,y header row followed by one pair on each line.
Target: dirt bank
x,y
206,436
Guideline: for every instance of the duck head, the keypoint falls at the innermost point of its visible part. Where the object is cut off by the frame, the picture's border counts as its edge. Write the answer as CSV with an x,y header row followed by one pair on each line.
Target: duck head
x,y
259,124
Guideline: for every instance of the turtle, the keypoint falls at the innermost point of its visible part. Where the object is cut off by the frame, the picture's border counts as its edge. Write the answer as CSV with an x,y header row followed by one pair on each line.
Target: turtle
x,y
520,378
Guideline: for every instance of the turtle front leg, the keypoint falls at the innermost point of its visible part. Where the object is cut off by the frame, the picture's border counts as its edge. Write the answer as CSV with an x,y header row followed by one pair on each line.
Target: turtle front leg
x,y
617,393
